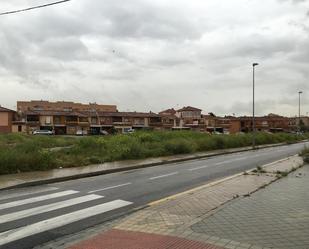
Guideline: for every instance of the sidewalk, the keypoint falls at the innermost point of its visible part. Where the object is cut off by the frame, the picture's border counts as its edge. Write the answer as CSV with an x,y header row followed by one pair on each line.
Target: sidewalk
x,y
241,212
57,175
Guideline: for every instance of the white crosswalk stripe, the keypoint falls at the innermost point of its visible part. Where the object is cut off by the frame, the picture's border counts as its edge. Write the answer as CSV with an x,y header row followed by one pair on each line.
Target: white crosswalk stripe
x,y
9,194
47,208
36,199
25,222
45,225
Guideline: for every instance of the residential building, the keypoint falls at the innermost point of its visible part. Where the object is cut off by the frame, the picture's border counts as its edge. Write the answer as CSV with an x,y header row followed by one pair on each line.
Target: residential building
x,y
190,118
62,117
66,106
124,121
169,119
271,123
226,125
69,118
6,119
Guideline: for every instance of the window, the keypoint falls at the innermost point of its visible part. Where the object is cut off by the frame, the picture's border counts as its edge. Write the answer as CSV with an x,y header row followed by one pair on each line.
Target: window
x,y
33,118
94,120
48,120
57,120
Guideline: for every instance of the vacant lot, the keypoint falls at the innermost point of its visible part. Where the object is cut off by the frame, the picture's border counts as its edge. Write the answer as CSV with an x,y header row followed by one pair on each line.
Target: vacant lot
x,y
20,153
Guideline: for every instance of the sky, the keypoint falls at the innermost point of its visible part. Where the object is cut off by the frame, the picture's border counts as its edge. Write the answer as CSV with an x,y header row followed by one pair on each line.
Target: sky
x,y
144,55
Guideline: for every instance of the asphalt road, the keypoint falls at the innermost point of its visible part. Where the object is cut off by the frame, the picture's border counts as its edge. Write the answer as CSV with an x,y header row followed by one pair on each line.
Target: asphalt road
x,y
33,216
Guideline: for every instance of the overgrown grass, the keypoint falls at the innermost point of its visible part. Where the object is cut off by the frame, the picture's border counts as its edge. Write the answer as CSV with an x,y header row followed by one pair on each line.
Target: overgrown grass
x,y
20,153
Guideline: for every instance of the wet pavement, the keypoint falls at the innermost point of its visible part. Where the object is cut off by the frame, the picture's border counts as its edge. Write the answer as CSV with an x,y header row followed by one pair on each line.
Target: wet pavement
x,y
240,212
40,177
274,217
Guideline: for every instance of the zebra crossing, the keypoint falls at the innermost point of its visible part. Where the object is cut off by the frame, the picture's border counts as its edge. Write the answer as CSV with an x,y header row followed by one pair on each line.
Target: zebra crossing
x,y
41,210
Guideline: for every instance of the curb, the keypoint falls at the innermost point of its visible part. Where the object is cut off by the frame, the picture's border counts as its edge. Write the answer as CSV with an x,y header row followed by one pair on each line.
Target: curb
x,y
218,181
213,183
134,167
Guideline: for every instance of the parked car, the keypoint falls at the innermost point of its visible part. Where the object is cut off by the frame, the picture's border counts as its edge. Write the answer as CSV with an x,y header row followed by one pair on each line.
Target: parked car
x,y
129,130
104,133
81,133
43,132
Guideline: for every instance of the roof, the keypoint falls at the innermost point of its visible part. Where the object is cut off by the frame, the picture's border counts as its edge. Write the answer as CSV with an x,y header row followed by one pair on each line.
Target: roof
x,y
129,114
2,109
168,112
188,108
55,113
263,118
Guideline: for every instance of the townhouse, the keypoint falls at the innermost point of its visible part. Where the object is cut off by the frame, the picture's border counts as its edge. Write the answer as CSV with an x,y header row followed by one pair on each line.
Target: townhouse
x,y
271,122
69,118
6,119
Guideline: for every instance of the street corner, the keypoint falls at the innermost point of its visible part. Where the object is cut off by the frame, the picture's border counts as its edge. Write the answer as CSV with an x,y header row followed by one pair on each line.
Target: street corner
x,y
121,239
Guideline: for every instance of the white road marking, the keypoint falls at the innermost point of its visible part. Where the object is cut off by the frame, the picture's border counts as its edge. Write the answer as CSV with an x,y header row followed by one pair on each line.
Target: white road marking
x,y
45,225
255,155
224,162
240,158
47,208
112,187
197,168
36,199
24,193
162,176
231,160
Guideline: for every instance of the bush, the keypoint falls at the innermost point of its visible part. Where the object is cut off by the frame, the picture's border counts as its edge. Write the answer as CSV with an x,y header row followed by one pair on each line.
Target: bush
x,y
20,153
179,146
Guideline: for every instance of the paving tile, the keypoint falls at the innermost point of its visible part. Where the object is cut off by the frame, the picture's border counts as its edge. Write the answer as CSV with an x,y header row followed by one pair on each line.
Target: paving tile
x,y
275,216
118,239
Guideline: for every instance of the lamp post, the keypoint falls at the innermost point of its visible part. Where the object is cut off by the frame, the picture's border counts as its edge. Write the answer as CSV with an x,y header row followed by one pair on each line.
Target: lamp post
x,y
253,107
299,93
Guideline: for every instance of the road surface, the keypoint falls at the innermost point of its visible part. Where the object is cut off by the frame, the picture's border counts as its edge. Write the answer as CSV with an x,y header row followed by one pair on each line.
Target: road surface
x,y
35,215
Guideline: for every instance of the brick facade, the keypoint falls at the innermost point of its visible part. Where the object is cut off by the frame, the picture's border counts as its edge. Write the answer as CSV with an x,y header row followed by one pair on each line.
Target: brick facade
x,y
70,118
6,118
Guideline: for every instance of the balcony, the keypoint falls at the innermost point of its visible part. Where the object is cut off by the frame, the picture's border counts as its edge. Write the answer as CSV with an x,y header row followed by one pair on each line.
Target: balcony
x,y
106,123
155,123
139,125
32,122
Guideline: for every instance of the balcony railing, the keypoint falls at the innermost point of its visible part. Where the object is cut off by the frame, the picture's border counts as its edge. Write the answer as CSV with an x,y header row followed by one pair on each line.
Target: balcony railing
x,y
33,122
71,122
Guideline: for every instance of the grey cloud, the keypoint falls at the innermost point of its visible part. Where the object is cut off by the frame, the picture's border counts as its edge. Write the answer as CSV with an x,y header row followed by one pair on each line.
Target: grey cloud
x,y
144,54
138,19
294,1
67,48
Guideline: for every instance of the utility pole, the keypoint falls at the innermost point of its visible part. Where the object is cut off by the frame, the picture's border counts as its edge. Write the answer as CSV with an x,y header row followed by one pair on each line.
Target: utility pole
x,y
253,107
299,93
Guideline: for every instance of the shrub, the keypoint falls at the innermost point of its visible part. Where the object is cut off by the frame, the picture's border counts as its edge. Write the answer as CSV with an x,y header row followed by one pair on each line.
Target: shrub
x,y
26,153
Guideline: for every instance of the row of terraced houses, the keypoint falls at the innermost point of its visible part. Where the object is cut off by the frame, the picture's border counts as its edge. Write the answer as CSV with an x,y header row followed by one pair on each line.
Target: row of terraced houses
x,y
67,118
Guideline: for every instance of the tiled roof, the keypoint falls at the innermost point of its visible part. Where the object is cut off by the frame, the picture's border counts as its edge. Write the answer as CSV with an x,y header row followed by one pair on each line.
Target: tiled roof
x,y
55,113
2,109
188,108
129,114
168,112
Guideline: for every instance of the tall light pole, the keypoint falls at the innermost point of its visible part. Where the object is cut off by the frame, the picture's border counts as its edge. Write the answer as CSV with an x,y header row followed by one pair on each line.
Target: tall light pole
x,y
299,93
253,107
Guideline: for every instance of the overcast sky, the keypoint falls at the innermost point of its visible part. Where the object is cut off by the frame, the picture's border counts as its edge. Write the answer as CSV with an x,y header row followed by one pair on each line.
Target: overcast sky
x,y
155,54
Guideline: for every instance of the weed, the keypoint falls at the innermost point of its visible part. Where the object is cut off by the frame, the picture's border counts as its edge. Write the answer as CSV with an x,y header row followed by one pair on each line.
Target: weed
x,y
21,153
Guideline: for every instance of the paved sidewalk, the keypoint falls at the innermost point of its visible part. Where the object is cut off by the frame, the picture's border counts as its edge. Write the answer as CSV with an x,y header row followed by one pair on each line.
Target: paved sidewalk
x,y
274,217
239,213
56,175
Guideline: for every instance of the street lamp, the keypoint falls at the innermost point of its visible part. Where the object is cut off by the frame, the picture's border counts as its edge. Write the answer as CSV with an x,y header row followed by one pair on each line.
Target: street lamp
x,y
299,93
253,107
